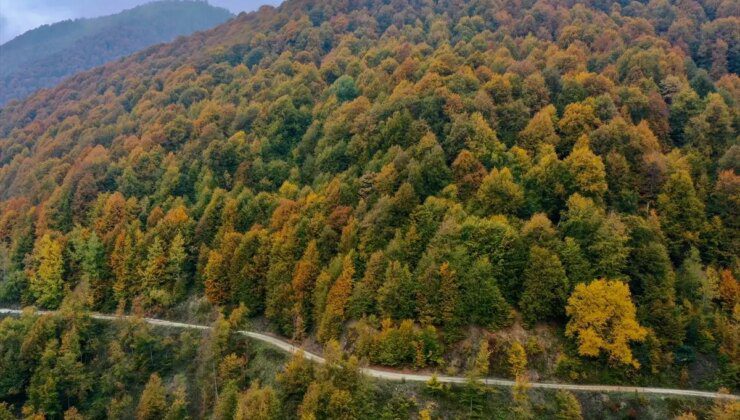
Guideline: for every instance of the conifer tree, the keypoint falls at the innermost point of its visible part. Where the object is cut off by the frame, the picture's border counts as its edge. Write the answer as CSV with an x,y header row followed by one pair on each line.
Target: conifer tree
x,y
47,275
681,214
546,183
567,405
653,281
43,389
251,259
74,381
178,409
477,371
304,279
175,269
545,286
295,378
517,359
95,267
154,270
123,265
216,280
482,301
609,250
577,267
397,295
449,298
482,140
152,403
226,402
336,302
690,277
364,294
481,363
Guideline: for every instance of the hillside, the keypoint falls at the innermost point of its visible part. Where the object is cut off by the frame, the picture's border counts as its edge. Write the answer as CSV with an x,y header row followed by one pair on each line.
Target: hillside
x,y
157,372
42,57
542,190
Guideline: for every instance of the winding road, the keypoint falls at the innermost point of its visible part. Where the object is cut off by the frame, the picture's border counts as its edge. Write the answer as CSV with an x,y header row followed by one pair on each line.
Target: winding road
x,y
392,375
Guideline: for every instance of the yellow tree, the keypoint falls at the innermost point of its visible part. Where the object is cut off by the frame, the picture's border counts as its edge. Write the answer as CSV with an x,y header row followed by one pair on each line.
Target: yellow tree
x,y
725,409
304,278
123,263
449,295
602,318
517,358
258,403
215,278
482,140
578,119
499,193
153,271
46,279
540,130
336,302
587,170
152,404
568,406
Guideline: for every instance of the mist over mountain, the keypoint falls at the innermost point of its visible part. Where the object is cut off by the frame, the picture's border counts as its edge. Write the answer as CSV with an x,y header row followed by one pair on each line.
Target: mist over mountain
x,y
44,56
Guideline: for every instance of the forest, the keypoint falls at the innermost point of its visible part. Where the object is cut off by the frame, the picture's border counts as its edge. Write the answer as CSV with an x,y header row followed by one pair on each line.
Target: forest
x,y
526,189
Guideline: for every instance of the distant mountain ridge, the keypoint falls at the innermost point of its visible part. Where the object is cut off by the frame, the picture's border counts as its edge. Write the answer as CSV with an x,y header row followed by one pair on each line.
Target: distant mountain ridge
x,y
43,56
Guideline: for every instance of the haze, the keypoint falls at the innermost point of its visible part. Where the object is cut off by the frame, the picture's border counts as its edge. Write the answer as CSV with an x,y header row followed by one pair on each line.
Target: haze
x,y
18,16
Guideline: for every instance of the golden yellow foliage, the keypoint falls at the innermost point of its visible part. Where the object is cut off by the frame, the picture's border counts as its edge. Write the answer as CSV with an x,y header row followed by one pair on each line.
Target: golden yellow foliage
x,y
517,359
725,410
336,302
602,317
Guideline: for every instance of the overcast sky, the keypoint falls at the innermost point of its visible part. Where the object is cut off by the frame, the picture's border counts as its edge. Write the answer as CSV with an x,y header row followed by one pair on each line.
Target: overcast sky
x,y
18,16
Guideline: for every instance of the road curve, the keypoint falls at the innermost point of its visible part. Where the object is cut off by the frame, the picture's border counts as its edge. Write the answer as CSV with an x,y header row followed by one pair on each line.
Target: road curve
x,y
415,377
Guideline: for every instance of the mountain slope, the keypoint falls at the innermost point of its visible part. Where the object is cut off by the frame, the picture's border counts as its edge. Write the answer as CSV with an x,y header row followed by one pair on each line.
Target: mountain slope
x,y
44,56
392,375
416,179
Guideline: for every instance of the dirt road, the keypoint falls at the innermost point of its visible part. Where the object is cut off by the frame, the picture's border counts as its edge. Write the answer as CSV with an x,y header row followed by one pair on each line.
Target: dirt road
x,y
392,375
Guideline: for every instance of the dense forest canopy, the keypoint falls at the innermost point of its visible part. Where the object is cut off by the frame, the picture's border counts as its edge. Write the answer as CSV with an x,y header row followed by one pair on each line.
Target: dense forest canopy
x,y
402,175
42,57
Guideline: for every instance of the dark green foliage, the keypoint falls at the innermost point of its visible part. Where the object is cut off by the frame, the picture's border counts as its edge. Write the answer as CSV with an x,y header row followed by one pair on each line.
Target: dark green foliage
x,y
345,88
545,286
397,296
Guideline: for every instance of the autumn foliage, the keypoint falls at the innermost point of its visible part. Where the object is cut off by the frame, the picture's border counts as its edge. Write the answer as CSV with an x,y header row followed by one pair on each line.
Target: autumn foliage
x,y
603,318
402,177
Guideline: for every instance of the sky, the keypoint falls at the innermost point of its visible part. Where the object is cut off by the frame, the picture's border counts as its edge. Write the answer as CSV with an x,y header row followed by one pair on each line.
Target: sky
x,y
18,16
